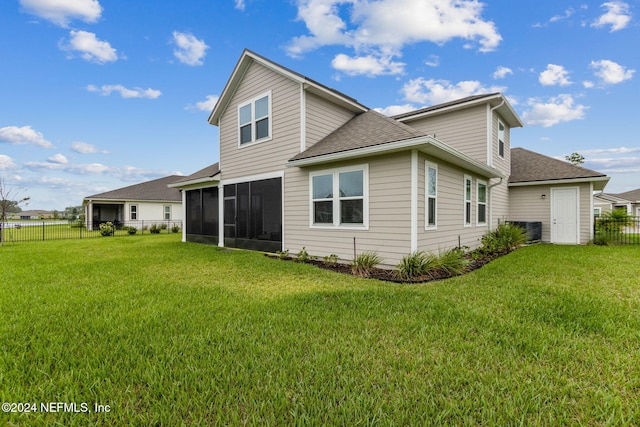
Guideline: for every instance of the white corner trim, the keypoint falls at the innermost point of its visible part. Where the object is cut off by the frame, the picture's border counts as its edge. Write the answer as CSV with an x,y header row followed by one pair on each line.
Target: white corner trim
x,y
414,200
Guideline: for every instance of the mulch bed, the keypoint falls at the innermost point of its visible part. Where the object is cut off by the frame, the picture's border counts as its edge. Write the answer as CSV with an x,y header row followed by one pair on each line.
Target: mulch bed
x,y
390,275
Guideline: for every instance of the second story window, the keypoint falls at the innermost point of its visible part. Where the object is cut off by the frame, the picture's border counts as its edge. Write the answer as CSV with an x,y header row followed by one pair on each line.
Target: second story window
x,y
254,119
500,139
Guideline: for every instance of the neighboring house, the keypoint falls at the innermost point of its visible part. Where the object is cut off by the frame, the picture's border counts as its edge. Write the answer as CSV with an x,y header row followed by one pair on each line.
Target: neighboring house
x,y
302,165
31,214
607,202
133,205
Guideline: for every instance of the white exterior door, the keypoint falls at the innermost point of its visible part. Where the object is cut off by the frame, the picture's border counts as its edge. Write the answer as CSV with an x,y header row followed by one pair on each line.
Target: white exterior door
x,y
564,215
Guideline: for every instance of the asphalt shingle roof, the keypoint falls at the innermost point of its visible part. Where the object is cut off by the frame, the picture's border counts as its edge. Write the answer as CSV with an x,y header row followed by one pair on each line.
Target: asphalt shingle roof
x,y
632,196
151,190
206,172
528,166
444,105
364,130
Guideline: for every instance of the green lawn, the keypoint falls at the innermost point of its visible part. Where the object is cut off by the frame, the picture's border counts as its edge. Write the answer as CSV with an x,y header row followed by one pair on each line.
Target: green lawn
x,y
168,333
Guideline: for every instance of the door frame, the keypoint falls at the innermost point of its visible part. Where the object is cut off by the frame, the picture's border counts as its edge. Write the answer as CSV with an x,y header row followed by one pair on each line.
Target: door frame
x,y
555,191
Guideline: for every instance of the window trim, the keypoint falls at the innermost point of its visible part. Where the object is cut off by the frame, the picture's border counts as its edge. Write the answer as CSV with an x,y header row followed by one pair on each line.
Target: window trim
x,y
253,122
335,172
164,212
467,222
430,165
478,203
133,210
501,141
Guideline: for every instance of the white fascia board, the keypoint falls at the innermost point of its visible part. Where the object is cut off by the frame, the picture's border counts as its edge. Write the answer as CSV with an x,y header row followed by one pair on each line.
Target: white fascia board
x,y
206,180
602,180
250,178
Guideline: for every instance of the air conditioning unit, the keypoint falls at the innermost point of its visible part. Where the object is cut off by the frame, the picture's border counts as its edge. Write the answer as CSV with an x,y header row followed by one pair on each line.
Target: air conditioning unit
x,y
532,228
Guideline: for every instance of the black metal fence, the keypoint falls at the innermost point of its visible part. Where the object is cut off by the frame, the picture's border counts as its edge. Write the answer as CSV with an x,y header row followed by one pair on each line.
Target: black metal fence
x,y
616,231
32,230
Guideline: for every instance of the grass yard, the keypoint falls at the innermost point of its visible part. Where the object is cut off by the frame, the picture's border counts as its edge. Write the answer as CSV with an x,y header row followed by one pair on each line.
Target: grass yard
x,y
168,333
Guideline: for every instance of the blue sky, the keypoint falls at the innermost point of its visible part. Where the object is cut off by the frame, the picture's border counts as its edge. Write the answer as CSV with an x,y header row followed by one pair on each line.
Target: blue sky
x,y
96,95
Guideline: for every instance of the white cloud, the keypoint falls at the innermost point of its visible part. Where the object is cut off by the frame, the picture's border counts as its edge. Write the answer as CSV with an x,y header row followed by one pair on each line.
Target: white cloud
x,y
378,30
23,135
90,48
84,148
433,61
617,16
502,72
136,92
207,104
588,84
58,159
567,14
189,50
433,92
611,72
6,163
554,75
615,150
60,12
393,110
369,65
561,108
240,4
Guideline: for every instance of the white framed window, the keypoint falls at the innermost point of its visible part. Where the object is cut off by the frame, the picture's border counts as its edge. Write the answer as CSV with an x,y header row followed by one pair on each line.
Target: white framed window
x,y
468,185
481,203
431,196
501,130
167,212
254,120
597,211
339,197
133,212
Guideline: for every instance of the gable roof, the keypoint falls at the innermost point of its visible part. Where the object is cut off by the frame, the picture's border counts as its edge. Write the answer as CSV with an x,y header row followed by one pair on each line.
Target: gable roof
x,y
633,195
528,167
364,130
372,133
611,198
248,57
155,190
206,174
495,100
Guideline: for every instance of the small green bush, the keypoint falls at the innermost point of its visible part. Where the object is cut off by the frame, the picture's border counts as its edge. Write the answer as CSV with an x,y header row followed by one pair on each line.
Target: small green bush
x,y
154,229
504,238
303,255
130,229
413,265
453,261
175,228
363,264
330,260
283,254
163,226
107,229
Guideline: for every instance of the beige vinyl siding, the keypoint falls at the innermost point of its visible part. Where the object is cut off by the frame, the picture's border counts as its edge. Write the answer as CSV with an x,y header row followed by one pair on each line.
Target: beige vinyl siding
x,y
526,204
389,212
269,155
450,210
464,130
503,164
499,196
323,117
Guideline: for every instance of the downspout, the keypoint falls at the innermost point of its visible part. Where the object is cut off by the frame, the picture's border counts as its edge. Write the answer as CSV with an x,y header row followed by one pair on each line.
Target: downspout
x,y
491,201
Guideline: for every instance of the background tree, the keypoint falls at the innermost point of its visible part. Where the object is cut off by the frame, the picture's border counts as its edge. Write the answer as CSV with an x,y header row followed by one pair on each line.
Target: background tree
x,y
7,205
575,158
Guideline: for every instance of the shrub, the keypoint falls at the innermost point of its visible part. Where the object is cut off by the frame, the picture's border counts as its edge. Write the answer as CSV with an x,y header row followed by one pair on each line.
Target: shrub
x,y
106,229
363,264
175,228
303,255
154,229
130,229
413,265
283,254
504,238
610,227
163,226
330,260
452,262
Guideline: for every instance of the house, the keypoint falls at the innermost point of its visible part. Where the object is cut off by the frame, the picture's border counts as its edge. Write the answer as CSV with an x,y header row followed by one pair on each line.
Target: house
x,y
607,202
31,214
151,201
303,165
